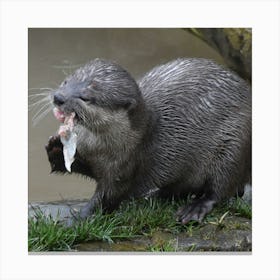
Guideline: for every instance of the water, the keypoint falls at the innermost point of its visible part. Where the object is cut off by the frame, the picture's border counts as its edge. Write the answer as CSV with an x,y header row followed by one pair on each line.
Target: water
x,y
54,53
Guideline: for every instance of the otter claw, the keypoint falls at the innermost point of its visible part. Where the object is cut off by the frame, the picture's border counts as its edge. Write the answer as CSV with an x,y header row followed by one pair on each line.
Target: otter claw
x,y
196,211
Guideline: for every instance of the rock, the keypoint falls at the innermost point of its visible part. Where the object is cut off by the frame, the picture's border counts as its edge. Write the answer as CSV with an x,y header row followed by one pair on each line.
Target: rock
x,y
58,210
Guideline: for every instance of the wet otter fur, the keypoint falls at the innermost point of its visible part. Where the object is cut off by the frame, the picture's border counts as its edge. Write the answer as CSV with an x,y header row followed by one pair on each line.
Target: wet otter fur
x,y
184,127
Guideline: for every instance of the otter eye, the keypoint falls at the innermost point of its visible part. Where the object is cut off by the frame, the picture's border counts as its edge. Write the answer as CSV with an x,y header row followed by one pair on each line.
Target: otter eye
x,y
88,100
84,98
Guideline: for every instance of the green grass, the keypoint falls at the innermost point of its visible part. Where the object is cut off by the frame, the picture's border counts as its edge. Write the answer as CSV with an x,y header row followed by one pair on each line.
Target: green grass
x,y
241,208
133,219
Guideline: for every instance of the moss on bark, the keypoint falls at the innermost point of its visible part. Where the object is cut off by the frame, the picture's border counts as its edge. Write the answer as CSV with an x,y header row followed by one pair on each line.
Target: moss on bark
x,y
234,44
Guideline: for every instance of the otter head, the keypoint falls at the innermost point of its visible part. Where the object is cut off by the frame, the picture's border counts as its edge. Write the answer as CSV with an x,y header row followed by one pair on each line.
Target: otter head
x,y
101,94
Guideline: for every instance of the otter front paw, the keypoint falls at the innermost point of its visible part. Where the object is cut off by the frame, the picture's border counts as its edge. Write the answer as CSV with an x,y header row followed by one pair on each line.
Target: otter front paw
x,y
54,150
86,211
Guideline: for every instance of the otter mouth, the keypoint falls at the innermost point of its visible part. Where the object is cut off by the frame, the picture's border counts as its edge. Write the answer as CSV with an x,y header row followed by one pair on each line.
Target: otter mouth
x,y
66,119
59,114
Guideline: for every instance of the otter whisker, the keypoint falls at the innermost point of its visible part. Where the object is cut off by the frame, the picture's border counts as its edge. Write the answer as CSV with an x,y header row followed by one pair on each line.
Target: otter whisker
x,y
44,88
42,97
38,94
41,116
42,112
46,100
38,105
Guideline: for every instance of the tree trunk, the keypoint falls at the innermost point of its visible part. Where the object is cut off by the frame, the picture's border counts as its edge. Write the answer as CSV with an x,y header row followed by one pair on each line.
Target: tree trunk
x,y
234,44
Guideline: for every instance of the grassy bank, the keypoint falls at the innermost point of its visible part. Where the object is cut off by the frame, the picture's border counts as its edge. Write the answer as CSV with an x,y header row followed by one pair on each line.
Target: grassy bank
x,y
133,219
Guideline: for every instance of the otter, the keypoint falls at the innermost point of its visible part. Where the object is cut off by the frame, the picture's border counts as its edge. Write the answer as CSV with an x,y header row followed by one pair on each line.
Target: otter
x,y
183,128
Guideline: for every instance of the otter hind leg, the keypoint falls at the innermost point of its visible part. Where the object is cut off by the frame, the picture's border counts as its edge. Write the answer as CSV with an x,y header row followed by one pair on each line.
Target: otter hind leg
x,y
196,210
222,183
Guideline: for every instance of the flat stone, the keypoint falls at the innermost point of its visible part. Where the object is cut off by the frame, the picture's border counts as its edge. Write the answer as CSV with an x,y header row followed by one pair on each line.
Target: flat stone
x,y
58,210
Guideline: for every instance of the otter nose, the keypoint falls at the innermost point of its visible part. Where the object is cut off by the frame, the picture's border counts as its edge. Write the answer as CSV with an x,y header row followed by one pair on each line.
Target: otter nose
x,y
58,99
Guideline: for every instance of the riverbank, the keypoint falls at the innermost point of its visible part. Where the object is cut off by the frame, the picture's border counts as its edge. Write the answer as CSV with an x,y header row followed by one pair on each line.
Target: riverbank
x,y
146,225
